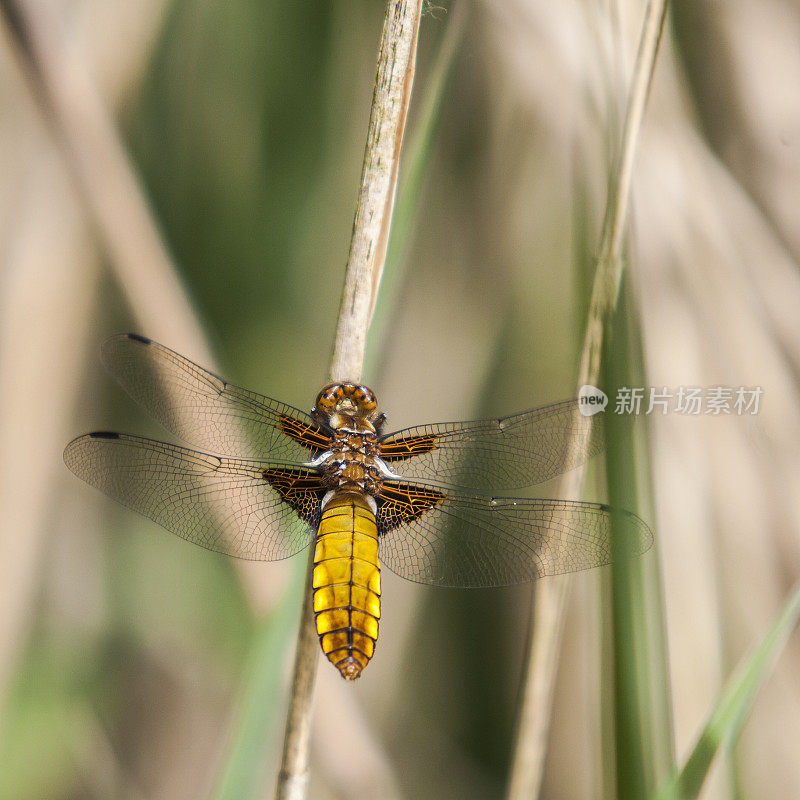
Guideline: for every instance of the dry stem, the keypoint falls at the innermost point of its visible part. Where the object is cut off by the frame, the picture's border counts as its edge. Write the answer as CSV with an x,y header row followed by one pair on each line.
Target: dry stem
x,y
94,153
551,596
96,157
390,101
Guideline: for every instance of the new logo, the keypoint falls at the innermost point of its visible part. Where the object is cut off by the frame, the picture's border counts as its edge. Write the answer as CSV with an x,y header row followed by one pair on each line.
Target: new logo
x,y
591,400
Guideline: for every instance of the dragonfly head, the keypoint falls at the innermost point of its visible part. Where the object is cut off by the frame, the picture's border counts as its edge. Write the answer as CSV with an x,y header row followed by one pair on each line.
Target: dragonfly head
x,y
347,404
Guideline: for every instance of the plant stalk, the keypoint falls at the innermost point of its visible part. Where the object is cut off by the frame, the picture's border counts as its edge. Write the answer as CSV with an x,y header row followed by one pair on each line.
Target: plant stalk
x,y
368,245
390,102
550,597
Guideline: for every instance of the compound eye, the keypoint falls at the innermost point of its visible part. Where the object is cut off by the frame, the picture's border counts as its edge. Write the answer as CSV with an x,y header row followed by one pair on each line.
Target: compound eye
x,y
366,398
327,400
327,394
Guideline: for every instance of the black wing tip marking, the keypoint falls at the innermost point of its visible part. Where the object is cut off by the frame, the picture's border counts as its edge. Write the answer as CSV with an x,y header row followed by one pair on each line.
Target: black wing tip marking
x,y
110,348
109,344
113,340
73,449
138,338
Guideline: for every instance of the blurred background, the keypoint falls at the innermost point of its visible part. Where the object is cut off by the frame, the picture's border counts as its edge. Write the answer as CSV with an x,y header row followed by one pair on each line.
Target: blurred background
x,y
133,665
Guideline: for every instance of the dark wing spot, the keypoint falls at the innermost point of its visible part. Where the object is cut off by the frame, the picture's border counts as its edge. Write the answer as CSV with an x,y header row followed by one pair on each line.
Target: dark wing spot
x,y
104,435
397,449
137,338
400,503
300,489
309,435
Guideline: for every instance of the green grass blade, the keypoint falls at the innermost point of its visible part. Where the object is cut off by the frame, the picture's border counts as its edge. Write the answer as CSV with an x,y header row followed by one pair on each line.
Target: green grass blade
x,y
260,701
638,662
728,717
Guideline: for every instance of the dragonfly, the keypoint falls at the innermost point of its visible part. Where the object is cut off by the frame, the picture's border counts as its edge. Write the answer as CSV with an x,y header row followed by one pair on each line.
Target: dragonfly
x,y
268,480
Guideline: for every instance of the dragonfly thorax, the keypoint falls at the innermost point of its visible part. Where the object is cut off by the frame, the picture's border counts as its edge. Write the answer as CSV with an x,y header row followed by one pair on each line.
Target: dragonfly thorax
x,y
350,411
352,461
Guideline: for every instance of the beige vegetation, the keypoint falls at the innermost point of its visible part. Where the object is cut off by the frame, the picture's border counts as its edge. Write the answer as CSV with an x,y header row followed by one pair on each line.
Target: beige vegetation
x,y
125,648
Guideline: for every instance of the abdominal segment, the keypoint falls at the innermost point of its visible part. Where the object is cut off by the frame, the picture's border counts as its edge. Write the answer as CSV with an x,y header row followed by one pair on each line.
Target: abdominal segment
x,y
347,583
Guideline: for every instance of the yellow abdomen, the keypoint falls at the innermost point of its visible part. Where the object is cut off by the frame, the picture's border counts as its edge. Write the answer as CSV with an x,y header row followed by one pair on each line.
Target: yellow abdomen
x,y
347,583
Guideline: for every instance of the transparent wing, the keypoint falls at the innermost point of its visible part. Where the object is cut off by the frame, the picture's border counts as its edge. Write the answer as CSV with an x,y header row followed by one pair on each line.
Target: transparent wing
x,y
490,454
449,539
243,508
206,411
